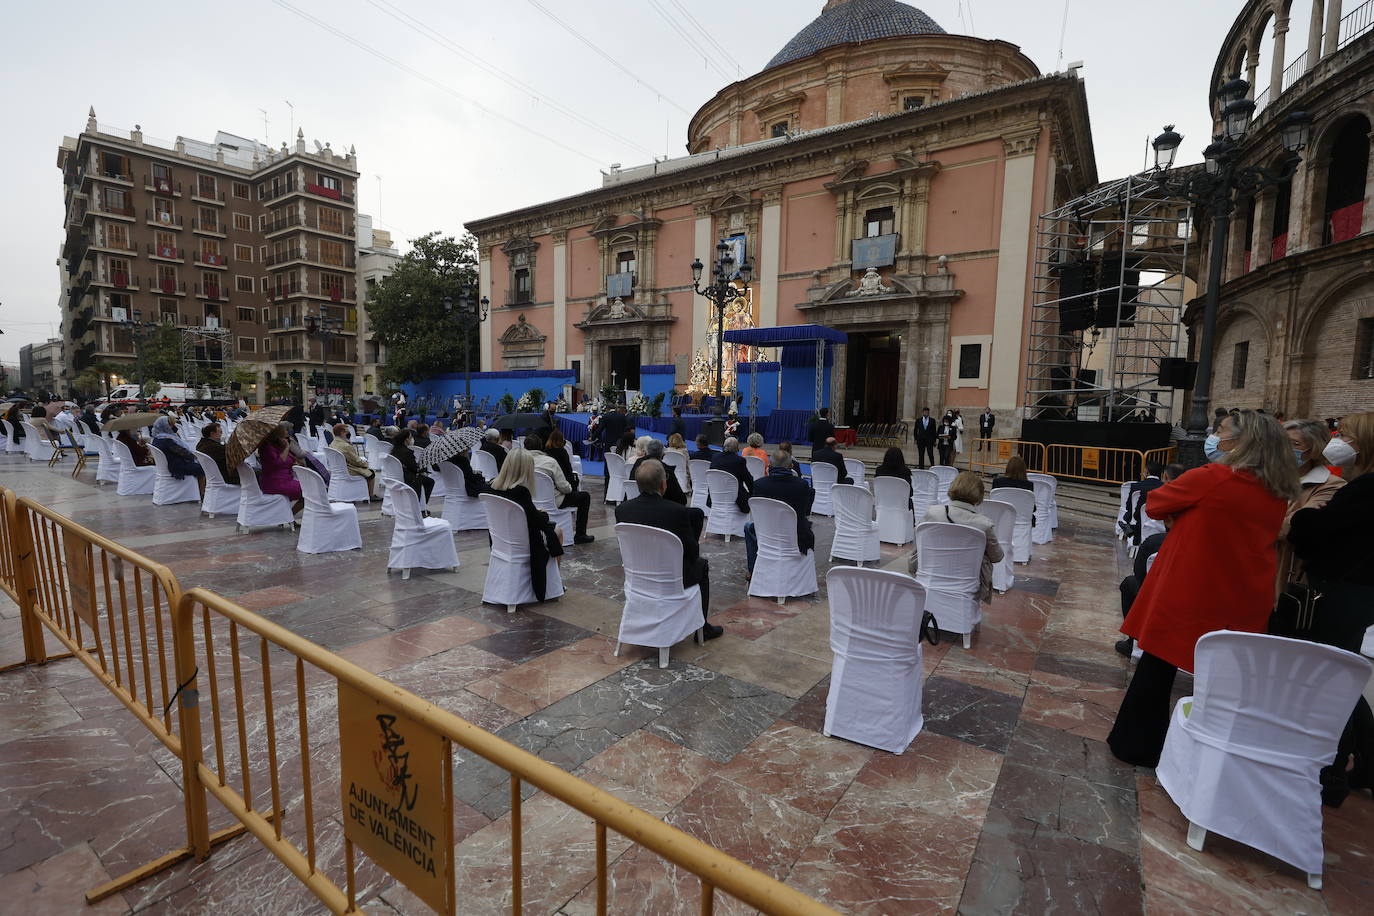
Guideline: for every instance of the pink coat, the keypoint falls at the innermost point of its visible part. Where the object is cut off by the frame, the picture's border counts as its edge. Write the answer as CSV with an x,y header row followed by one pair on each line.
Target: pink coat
x,y
275,476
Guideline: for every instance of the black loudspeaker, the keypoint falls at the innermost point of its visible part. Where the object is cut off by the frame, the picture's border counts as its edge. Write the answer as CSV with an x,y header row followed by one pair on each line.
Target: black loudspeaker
x,y
1060,378
1127,294
1177,372
1076,282
1087,377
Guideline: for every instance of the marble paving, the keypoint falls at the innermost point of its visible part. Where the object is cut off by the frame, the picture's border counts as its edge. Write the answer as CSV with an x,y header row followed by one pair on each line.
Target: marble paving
x,y
1007,802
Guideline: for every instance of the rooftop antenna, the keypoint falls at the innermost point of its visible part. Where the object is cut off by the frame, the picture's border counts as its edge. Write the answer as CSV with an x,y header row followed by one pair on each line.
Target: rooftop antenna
x,y
379,197
266,137
293,117
1063,30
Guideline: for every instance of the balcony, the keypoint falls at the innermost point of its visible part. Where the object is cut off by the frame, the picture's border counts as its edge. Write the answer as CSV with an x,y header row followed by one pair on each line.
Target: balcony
x,y
164,187
287,187
111,176
77,214
212,260
205,196
213,292
294,221
166,286
99,208
281,224
320,190
277,258
118,279
162,218
169,253
277,293
286,323
209,227
516,297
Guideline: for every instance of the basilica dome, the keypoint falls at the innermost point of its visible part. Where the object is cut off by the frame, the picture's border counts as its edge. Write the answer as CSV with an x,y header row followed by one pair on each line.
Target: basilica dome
x,y
847,21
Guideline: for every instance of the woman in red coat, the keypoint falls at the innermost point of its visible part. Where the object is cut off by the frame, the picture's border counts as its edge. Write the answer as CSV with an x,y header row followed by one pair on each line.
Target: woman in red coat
x,y
1215,570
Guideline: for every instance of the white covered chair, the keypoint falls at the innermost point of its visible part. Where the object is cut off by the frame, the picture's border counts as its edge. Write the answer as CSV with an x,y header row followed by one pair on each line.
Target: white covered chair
x,y
508,569
823,477
326,526
417,542
484,464
944,476
781,571
166,488
39,447
1043,532
724,516
343,486
391,472
1121,510
659,611
107,467
697,469
856,471
755,465
1243,754
925,491
631,489
677,463
438,491
377,449
616,470
1054,491
892,497
221,497
877,673
133,480
856,533
1003,517
949,560
1023,501
12,445
258,509
461,511
546,499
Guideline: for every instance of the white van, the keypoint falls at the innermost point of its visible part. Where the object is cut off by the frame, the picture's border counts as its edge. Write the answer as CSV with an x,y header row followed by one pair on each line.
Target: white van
x,y
174,394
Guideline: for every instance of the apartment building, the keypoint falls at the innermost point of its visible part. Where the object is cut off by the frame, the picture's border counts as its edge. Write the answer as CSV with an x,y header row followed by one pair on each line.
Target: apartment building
x,y
377,257
242,246
40,367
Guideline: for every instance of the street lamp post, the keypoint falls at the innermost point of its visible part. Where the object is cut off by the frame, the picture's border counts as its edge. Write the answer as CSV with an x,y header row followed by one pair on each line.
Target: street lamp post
x,y
324,328
468,313
720,293
1217,189
138,332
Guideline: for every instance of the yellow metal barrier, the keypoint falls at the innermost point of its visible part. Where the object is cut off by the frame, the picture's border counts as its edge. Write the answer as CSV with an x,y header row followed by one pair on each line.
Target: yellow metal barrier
x,y
990,456
1070,462
1167,455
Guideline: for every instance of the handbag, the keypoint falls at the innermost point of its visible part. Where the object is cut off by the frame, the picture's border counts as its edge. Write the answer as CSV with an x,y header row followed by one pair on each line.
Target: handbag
x,y
1295,612
930,629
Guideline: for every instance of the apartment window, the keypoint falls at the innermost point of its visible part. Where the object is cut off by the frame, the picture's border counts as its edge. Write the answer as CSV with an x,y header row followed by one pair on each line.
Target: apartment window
x,y
243,222
970,360
243,285
206,187
162,210
241,190
162,172
167,278
209,284
1239,361
262,285
1364,349
332,285
116,236
778,130
523,288
878,222
912,102
209,250
331,220
330,181
247,314
331,253
625,262
119,271
262,252
248,345
165,244
209,218
266,316
114,199
244,254
167,310
113,165
337,349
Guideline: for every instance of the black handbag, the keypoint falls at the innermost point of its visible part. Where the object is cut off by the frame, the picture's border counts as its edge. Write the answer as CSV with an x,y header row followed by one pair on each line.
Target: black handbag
x,y
1295,612
930,629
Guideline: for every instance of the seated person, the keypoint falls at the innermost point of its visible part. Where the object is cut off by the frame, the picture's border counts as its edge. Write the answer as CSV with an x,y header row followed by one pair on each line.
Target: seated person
x,y
704,451
1129,522
965,494
419,434
894,465
474,484
785,446
571,499
180,462
516,483
731,461
782,484
211,445
650,508
374,428
1015,476
673,489
755,449
677,444
357,466
1130,585
415,477
142,457
491,445
554,445
827,454
276,460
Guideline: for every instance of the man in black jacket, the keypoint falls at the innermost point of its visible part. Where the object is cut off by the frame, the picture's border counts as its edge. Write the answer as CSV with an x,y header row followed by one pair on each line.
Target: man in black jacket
x,y
986,423
613,426
650,508
677,424
489,445
782,484
88,417
1135,499
820,429
925,438
210,443
653,451
732,461
703,452
826,454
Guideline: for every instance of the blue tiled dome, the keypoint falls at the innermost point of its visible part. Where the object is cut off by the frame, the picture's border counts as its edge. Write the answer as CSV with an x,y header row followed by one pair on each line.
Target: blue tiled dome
x,y
845,21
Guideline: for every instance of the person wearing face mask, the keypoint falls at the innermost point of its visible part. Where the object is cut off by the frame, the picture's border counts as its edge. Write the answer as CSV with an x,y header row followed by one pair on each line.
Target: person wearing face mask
x,y
1336,546
1308,438
1211,446
1221,516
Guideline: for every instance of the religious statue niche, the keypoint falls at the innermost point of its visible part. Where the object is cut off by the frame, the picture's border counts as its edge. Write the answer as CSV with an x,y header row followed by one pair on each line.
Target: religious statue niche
x,y
739,315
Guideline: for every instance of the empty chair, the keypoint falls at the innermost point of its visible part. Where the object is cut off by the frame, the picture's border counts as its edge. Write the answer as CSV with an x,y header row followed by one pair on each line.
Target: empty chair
x,y
166,488
631,489
417,542
573,461
856,533
892,497
391,472
377,449
438,491
12,444
950,559
697,469
944,475
221,497
677,463
925,491
1024,503
326,526
877,673
258,509
484,464
823,477
343,486
724,516
107,467
659,611
508,568
781,571
133,480
616,469
1243,754
856,470
461,511
39,447
1043,532
1003,517
1054,490
755,465
546,499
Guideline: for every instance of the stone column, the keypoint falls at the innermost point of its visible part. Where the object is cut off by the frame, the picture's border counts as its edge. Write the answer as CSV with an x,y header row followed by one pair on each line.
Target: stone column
x,y
1367,222
560,299
1333,27
488,333
1251,66
1314,34
1013,259
1276,65
838,373
911,368
1298,208
769,257
1261,235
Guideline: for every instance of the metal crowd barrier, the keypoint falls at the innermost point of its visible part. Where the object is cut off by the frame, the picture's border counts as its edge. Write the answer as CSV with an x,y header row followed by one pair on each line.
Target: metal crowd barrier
x,y
1070,462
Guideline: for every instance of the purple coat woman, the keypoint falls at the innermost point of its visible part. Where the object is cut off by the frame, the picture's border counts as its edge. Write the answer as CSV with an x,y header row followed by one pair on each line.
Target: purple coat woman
x,y
274,454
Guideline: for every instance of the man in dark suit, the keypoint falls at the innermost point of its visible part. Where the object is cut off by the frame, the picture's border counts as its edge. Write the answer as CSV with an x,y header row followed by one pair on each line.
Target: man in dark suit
x,y
782,484
613,426
925,438
210,443
650,508
986,423
490,445
731,461
677,424
703,452
88,417
826,454
820,429
1135,499
653,451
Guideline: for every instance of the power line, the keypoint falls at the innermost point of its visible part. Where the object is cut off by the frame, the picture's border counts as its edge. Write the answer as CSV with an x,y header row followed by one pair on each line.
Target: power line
x,y
710,39
611,60
458,50
442,87
691,42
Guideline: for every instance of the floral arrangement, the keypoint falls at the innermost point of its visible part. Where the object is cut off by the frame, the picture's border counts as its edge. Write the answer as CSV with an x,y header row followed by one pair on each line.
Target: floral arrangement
x,y
639,406
525,404
507,403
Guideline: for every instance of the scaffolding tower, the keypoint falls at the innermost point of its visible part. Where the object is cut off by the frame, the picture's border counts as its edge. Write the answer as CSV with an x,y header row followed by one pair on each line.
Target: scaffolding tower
x,y
205,350
1109,287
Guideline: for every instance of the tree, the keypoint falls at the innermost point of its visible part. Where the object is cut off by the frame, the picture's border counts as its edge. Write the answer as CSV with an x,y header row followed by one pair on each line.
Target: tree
x,y
406,309
160,354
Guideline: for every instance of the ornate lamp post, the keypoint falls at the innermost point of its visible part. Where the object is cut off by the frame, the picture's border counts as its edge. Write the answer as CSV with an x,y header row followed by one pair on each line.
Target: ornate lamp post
x,y
720,293
1217,189
138,332
468,312
324,328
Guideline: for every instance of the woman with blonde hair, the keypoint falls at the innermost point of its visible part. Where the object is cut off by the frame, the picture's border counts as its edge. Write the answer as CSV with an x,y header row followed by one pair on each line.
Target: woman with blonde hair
x,y
965,495
678,444
516,483
1222,516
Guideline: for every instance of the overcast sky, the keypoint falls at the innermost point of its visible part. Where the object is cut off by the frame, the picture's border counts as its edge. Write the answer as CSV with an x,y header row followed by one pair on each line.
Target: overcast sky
x,y
452,140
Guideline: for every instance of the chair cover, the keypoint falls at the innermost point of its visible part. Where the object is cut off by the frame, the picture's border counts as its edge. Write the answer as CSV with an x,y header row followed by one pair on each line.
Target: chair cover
x,y
343,486
659,612
1043,532
326,526
944,475
107,468
925,491
781,570
950,558
1054,490
1023,501
133,480
856,533
631,489
484,464
166,488
892,497
221,498
677,463
546,498
1121,510
39,448
1003,517
12,444
856,470
877,673
697,469
461,511
258,509
391,472
508,569
1242,755
616,470
418,542
439,490
823,477
755,465
724,516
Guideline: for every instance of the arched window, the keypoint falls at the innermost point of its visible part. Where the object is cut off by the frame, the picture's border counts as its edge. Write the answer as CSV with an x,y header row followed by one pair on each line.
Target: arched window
x,y
1346,171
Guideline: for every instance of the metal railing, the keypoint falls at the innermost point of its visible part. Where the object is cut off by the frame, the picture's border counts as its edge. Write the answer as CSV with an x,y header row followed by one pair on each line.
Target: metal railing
x,y
1090,463
1355,23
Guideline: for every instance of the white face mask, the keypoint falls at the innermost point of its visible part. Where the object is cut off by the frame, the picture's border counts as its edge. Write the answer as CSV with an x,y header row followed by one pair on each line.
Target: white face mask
x,y
1340,453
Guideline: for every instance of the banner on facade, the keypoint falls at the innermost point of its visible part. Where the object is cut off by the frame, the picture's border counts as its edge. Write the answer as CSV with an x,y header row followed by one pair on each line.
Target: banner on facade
x,y
878,251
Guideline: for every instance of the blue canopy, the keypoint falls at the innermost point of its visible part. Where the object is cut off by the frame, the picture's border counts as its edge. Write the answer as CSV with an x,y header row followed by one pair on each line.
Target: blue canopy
x,y
776,337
